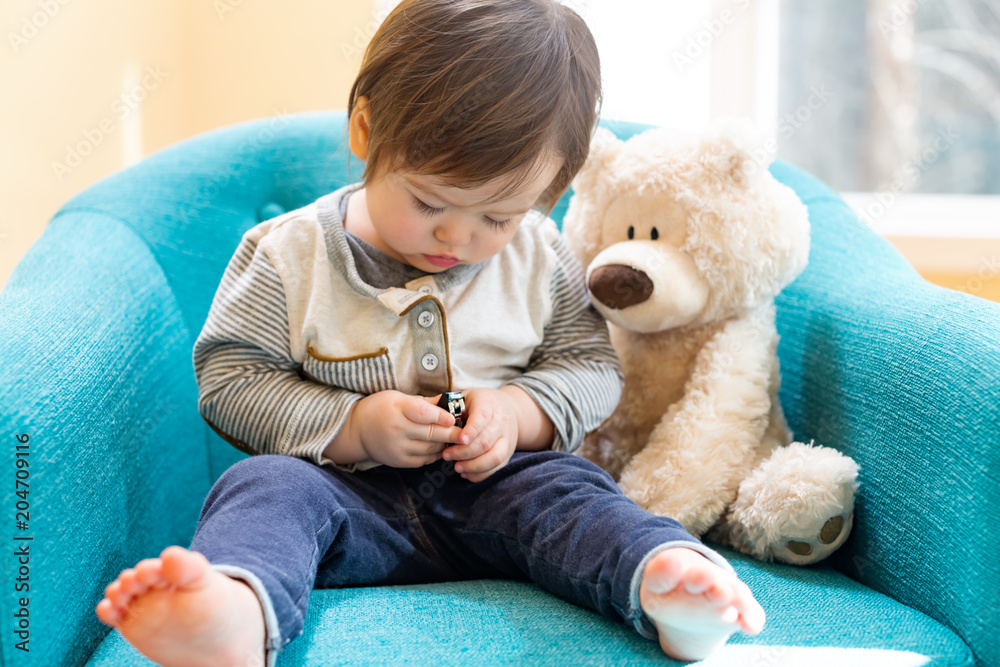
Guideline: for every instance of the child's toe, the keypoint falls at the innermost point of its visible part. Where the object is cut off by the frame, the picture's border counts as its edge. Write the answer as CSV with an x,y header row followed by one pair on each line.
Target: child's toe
x,y
664,571
128,582
113,592
744,596
753,621
751,613
720,594
757,618
698,580
149,572
107,612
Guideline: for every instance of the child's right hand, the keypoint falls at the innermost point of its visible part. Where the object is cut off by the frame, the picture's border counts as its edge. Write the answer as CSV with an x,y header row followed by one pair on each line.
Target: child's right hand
x,y
403,431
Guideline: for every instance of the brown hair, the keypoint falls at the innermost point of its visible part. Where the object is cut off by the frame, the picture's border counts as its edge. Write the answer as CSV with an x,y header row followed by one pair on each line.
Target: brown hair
x,y
472,90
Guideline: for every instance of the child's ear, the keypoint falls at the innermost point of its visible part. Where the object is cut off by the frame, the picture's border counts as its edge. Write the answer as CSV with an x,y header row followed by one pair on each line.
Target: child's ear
x,y
604,147
360,128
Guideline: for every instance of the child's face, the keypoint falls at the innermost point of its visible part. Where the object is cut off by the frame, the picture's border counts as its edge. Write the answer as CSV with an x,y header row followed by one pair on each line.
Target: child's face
x,y
433,226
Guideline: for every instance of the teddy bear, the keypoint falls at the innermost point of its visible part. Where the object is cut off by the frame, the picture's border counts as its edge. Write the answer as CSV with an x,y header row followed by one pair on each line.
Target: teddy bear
x,y
686,239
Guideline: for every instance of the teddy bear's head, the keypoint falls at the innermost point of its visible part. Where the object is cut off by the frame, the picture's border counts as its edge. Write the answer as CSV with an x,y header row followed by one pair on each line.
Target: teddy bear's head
x,y
677,229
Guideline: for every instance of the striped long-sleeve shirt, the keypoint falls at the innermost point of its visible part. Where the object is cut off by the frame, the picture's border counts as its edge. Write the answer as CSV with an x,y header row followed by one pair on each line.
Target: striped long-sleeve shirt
x,y
295,337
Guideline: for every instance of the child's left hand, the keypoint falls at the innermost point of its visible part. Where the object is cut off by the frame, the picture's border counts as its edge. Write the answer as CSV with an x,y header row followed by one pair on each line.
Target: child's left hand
x,y
489,437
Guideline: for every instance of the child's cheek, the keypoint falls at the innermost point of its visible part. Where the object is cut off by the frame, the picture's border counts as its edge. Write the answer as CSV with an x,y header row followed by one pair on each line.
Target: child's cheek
x,y
409,232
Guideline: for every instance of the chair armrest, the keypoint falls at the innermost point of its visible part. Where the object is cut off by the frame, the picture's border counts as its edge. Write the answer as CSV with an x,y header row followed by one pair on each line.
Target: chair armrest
x,y
904,377
96,371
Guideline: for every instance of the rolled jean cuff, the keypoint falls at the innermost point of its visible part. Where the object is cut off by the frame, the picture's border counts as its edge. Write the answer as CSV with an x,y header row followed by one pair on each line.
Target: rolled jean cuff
x,y
636,616
273,642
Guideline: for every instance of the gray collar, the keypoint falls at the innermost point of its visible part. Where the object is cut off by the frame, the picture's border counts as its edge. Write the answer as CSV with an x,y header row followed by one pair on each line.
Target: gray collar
x,y
339,252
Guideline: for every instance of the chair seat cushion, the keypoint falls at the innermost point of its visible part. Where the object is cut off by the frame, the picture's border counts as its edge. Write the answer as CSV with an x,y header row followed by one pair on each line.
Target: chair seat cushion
x,y
815,616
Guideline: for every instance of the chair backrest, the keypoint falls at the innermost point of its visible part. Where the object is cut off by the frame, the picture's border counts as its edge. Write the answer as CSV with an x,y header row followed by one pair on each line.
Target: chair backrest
x,y
192,201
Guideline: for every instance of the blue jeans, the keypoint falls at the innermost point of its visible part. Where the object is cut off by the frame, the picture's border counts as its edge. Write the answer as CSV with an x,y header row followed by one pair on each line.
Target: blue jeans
x,y
285,526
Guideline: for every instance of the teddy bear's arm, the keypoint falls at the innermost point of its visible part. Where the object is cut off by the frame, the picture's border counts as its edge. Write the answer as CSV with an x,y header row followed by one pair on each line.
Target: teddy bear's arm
x,y
703,446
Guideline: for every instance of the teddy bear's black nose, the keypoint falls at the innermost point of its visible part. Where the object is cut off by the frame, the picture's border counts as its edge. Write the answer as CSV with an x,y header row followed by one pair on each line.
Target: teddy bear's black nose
x,y
618,286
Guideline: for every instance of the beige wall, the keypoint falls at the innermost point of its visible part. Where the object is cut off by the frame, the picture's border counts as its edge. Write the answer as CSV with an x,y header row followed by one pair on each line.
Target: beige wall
x,y
967,265
195,64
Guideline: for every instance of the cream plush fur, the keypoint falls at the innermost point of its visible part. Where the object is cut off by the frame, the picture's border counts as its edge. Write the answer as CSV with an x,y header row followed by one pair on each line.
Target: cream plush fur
x,y
687,241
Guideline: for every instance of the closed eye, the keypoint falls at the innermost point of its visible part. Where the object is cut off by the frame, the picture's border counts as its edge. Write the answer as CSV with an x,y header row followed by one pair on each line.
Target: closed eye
x,y
428,210
498,225
425,208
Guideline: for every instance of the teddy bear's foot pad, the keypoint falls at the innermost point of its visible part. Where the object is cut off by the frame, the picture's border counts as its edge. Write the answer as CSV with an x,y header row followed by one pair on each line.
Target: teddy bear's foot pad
x,y
828,535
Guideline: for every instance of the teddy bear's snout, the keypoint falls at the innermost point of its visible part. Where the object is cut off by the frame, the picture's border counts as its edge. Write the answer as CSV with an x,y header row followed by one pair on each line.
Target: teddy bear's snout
x,y
618,286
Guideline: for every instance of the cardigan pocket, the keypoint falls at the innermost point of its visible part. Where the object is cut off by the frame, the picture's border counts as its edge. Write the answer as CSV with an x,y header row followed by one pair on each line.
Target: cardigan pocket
x,y
363,373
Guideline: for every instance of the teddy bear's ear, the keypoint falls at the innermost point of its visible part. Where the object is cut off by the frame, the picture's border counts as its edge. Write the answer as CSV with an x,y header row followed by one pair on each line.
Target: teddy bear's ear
x,y
735,147
604,146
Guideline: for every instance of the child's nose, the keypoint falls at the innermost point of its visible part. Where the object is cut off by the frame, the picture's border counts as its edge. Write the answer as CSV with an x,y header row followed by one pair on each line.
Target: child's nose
x,y
454,233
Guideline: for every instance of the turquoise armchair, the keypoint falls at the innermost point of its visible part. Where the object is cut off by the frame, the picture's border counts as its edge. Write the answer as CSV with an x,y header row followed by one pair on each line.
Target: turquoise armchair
x,y
99,399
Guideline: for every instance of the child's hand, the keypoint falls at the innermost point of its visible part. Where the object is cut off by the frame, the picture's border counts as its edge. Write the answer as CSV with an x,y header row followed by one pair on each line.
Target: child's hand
x,y
402,431
490,435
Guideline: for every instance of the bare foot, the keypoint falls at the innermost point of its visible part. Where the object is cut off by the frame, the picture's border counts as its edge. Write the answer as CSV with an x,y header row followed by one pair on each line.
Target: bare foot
x,y
695,604
177,610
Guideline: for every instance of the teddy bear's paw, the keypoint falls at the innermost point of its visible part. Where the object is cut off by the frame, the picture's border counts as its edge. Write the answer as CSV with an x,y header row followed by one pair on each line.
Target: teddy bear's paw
x,y
796,507
812,549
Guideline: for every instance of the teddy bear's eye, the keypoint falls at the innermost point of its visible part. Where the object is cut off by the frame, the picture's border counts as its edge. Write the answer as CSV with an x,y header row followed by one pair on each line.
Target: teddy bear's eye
x,y
631,233
655,234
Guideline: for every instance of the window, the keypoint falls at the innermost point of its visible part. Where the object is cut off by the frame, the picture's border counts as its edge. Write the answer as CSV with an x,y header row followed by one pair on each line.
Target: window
x,y
911,131
914,93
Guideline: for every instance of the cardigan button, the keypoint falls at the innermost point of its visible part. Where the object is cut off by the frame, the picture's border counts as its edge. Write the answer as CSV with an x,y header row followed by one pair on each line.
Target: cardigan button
x,y
425,319
429,362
